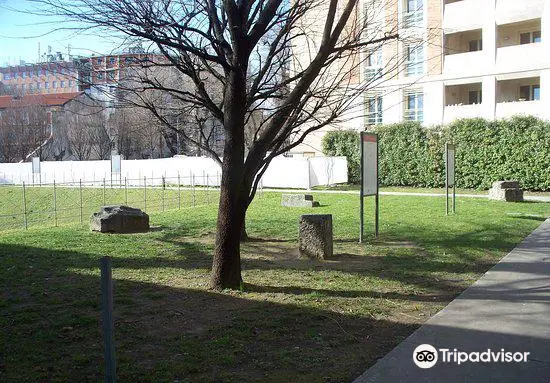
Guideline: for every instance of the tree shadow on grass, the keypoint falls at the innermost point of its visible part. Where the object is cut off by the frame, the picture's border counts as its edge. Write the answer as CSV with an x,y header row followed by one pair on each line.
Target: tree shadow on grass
x,y
50,318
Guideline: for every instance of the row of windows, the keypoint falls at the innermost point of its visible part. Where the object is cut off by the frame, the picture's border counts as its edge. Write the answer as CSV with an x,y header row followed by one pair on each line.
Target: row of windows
x,y
413,104
414,62
35,73
112,60
46,85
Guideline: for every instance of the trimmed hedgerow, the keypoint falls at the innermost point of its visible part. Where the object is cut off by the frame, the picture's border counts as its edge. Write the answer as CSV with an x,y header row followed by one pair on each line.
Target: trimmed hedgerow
x,y
410,155
345,143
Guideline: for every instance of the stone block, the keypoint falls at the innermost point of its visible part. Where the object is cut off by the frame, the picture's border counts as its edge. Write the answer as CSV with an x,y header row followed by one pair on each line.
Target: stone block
x,y
315,236
509,191
505,185
119,219
298,200
508,195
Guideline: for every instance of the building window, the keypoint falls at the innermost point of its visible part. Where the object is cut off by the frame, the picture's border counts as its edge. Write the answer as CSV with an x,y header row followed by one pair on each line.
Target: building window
x,y
100,76
414,13
71,83
62,84
111,75
474,97
100,60
23,87
530,37
46,85
54,84
373,109
112,61
414,106
24,74
529,93
414,60
475,45
38,86
373,64
7,76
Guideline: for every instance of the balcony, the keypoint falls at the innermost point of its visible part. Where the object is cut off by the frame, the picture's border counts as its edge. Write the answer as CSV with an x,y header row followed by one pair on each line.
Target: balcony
x,y
518,58
511,11
456,112
462,15
469,63
509,109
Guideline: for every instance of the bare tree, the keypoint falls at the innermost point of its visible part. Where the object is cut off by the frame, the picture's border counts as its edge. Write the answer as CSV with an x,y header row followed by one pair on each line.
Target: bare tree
x,y
234,60
24,129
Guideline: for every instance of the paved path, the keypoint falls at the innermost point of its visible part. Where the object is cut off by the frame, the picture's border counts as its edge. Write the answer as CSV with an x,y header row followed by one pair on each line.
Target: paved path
x,y
508,308
527,198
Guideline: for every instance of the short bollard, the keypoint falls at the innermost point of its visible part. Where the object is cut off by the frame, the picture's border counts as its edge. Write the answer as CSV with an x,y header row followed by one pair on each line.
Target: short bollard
x,y
316,236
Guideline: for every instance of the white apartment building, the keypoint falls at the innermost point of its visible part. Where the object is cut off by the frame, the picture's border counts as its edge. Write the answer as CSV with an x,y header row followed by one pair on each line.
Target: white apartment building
x,y
474,58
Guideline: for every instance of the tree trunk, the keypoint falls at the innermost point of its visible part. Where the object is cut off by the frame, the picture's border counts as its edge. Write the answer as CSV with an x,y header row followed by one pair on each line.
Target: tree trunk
x,y
234,192
244,234
226,265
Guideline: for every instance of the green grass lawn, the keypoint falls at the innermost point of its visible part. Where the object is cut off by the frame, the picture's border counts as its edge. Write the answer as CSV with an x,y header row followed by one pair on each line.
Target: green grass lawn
x,y
296,320
42,206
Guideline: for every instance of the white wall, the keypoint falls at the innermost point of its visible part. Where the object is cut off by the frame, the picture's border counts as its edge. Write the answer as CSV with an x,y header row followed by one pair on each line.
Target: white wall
x,y
283,172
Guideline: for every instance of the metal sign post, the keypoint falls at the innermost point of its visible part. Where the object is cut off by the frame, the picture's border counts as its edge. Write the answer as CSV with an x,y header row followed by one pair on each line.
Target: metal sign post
x,y
450,176
369,178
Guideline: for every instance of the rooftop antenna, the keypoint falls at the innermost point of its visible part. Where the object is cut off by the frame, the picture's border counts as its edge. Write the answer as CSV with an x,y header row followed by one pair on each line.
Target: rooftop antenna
x,y
69,47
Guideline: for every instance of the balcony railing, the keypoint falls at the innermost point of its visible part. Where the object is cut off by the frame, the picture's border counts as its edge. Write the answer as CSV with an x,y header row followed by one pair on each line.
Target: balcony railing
x,y
464,63
509,109
463,16
456,112
521,57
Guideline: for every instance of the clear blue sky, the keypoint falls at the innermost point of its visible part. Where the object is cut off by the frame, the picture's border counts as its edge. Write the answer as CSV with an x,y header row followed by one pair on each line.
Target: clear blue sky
x,y
18,33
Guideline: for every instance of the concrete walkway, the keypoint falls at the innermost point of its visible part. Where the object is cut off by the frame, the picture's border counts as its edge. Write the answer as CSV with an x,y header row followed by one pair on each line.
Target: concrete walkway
x,y
527,198
508,308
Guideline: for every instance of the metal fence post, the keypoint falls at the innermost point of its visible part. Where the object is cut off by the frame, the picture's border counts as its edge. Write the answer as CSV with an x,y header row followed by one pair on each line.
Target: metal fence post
x,y
179,192
144,193
125,191
163,190
54,204
193,188
107,319
103,191
25,205
207,189
80,192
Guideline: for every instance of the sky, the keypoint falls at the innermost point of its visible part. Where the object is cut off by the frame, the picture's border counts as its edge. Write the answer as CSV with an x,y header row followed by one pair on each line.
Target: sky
x,y
20,34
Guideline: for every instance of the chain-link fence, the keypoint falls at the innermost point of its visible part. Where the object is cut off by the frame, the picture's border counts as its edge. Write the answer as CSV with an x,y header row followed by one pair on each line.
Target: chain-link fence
x,y
56,204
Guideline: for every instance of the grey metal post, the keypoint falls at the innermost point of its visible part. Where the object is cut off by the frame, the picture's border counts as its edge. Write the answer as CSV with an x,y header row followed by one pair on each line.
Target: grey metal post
x,y
207,189
446,178
361,207
125,191
103,191
80,193
377,197
54,204
144,193
193,187
25,205
179,192
107,319
163,190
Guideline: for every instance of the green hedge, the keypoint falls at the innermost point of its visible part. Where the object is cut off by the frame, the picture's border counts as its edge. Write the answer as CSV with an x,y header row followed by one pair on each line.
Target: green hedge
x,y
410,155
